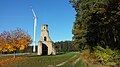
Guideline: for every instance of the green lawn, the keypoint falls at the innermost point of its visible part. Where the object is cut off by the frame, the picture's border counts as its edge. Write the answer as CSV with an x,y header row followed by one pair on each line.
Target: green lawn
x,y
42,61
71,62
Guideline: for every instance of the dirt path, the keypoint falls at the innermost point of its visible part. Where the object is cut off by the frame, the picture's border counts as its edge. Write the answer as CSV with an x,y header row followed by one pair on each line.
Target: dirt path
x,y
76,61
65,61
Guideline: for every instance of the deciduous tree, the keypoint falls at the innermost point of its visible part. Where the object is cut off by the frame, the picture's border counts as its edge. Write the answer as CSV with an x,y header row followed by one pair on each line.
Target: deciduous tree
x,y
11,41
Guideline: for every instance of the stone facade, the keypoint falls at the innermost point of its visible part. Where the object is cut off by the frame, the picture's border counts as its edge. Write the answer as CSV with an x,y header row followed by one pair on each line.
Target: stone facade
x,y
45,45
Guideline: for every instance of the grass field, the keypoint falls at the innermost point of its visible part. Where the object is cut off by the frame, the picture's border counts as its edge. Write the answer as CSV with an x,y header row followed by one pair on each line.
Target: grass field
x,y
64,60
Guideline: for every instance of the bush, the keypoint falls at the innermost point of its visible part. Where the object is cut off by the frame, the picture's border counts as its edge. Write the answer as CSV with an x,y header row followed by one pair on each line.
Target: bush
x,y
87,55
107,56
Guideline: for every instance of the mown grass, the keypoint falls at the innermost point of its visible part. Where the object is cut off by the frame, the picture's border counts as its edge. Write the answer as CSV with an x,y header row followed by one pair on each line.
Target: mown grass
x,y
73,62
45,61
29,60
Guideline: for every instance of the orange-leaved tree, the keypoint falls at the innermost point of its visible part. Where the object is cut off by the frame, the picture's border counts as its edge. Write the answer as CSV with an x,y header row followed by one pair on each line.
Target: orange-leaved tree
x,y
20,39
14,40
6,42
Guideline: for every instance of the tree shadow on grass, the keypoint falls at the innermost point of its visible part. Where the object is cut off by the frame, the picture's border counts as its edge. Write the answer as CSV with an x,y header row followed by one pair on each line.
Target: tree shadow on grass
x,y
60,53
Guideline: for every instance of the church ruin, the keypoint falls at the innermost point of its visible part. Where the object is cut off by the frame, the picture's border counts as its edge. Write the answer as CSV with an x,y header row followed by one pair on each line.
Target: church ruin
x,y
45,45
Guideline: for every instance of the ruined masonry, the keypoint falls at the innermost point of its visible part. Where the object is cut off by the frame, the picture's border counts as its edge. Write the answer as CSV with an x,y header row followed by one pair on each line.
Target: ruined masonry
x,y
45,45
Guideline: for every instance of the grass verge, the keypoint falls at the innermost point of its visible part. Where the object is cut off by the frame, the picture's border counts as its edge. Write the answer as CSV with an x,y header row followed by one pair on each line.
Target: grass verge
x,y
29,60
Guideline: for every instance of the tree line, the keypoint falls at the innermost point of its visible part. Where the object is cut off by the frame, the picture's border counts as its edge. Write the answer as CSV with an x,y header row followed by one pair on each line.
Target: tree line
x,y
64,46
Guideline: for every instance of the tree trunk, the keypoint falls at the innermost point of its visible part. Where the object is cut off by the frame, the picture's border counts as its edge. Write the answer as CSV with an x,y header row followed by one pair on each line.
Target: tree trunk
x,y
14,55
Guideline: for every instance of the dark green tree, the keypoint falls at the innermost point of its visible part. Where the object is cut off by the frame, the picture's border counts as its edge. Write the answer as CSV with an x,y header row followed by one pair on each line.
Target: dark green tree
x,y
97,23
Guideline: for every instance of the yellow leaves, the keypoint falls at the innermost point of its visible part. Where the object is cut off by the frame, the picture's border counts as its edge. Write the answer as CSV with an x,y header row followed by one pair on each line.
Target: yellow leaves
x,y
22,44
11,41
22,47
0,49
11,47
4,50
18,45
21,41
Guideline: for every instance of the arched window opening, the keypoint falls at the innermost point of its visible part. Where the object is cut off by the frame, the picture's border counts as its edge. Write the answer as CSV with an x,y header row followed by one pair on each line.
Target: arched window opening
x,y
44,27
45,38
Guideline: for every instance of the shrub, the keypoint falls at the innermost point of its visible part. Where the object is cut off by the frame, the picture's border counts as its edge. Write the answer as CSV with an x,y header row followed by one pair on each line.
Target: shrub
x,y
107,55
87,55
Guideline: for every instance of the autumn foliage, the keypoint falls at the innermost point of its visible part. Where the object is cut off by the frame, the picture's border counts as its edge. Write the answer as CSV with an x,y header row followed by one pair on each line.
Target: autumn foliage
x,y
10,41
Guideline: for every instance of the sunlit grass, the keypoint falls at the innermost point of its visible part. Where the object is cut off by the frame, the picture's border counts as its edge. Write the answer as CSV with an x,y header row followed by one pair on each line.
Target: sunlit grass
x,y
32,60
71,62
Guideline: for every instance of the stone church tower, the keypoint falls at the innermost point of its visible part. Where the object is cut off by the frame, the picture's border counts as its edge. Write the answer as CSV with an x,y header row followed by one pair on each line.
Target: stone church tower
x,y
45,45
